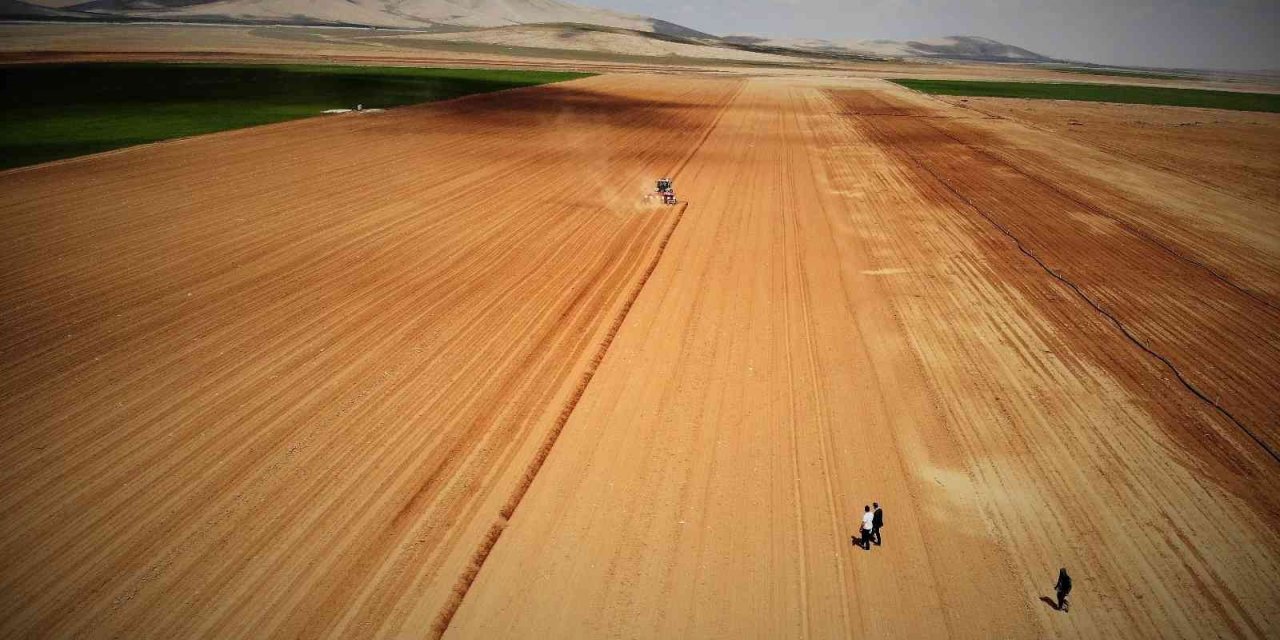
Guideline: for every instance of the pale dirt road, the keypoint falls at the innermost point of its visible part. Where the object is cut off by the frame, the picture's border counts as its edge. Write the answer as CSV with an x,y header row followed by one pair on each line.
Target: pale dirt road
x,y
839,319
291,381
283,381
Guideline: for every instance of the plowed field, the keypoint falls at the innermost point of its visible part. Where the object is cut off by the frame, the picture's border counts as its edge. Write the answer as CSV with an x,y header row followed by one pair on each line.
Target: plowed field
x,y
443,370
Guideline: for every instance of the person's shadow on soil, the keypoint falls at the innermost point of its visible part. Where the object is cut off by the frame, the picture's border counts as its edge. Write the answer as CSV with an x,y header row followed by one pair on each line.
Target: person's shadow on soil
x,y
1051,602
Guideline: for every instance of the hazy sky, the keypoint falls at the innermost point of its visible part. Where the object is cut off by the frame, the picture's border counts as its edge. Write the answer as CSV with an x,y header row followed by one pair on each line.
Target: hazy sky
x,y
1227,34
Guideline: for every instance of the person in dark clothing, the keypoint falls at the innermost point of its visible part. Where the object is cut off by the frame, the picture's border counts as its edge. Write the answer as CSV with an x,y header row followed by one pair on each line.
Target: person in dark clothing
x,y
877,521
1063,588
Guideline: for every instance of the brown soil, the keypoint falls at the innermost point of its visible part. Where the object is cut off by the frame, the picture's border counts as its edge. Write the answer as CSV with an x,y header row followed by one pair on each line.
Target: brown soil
x,y
281,381
841,319
439,369
1233,151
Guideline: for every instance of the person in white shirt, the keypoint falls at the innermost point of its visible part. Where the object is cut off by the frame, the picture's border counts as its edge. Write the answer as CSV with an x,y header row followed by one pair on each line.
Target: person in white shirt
x,y
868,520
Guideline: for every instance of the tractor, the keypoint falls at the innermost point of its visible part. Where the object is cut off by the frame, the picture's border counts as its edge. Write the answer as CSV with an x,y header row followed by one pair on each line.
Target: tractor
x,y
664,189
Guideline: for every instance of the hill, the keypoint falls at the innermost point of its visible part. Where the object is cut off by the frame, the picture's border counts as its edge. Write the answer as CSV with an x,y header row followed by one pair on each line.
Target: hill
x,y
17,9
950,47
454,16
594,38
403,14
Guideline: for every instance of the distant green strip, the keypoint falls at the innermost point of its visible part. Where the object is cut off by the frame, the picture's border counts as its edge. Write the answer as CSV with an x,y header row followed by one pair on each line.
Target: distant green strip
x,y
53,111
1101,93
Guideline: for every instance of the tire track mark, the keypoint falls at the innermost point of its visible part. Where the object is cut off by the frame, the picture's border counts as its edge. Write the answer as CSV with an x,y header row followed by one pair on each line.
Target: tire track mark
x,y
818,390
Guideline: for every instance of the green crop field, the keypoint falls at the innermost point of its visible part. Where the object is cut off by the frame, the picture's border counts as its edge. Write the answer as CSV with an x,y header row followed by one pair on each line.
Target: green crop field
x,y
53,111
1101,93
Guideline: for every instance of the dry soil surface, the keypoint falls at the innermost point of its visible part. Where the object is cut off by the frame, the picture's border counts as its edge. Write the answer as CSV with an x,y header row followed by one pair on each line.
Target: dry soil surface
x,y
442,370
871,303
284,381
1233,151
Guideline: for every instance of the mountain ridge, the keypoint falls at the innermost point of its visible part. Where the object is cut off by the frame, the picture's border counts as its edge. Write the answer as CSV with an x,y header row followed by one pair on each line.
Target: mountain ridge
x,y
462,15
957,47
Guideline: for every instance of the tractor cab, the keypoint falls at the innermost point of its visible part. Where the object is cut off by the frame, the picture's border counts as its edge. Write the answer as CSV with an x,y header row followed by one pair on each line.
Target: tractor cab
x,y
664,189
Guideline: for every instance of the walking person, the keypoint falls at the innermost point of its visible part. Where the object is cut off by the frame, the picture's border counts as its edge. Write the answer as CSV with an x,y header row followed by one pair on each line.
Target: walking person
x,y
1064,589
867,519
877,522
